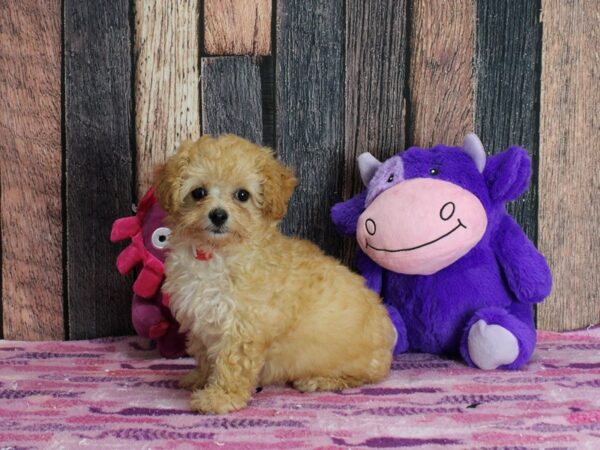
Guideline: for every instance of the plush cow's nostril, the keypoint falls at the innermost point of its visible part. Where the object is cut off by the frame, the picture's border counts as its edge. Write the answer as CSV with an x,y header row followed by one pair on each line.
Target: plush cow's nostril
x,y
447,211
370,226
218,216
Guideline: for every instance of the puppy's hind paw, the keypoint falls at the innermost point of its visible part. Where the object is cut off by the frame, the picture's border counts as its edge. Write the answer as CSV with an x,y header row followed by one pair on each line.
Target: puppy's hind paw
x,y
325,384
195,379
214,400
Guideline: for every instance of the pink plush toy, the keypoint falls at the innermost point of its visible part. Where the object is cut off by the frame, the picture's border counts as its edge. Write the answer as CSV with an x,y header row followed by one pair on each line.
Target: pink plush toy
x,y
150,312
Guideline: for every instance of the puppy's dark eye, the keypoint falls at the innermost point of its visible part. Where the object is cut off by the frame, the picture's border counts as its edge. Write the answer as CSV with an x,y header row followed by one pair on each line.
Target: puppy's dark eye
x,y
199,193
434,172
242,195
390,178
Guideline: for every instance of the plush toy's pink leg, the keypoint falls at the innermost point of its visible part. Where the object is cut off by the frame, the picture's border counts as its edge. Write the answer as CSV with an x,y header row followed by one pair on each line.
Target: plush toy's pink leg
x,y
172,344
145,315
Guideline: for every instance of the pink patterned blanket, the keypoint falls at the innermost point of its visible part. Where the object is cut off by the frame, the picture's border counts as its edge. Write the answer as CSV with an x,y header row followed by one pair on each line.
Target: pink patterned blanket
x,y
117,393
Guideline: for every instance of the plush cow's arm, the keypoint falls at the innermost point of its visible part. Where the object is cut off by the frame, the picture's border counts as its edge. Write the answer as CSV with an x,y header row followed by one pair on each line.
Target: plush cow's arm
x,y
345,217
526,270
370,270
345,214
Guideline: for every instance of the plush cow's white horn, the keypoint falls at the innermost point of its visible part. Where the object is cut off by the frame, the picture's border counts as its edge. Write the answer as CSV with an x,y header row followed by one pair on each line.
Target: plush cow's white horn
x,y
474,148
367,165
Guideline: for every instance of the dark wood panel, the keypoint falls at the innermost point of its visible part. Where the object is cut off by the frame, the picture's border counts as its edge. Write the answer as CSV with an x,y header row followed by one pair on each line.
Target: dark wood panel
x,y
237,27
376,36
569,179
507,106
267,77
310,112
231,97
375,81
441,84
30,170
167,104
99,181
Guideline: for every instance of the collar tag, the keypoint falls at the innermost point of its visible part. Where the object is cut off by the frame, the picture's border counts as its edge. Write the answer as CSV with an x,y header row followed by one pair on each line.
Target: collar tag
x,y
202,256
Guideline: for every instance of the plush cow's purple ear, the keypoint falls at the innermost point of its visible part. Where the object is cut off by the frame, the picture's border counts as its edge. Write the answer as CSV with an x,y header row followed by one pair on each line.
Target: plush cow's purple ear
x,y
507,174
345,214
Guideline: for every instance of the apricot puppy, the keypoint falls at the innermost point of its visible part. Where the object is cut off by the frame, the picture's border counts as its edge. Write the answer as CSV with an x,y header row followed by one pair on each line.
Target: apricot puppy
x,y
260,308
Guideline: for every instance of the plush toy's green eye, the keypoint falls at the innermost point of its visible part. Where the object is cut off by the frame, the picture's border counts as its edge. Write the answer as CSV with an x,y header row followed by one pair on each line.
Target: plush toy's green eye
x,y
391,178
199,193
434,171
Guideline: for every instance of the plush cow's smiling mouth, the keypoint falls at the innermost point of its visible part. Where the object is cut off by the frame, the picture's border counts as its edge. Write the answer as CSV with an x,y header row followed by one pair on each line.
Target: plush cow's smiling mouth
x,y
460,225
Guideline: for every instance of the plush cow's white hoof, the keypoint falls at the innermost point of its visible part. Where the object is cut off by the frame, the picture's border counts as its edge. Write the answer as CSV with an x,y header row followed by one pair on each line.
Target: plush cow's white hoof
x,y
491,346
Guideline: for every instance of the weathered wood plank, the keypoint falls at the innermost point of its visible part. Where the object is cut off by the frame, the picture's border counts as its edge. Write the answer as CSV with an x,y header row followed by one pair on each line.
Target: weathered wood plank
x,y
30,170
231,97
310,108
167,105
441,98
375,77
508,69
267,77
569,180
237,27
99,182
376,36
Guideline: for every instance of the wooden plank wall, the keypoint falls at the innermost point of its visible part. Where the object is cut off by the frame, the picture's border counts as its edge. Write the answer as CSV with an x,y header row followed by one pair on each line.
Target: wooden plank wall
x,y
375,104
321,82
569,182
441,72
231,97
507,63
167,90
309,81
99,149
234,27
30,170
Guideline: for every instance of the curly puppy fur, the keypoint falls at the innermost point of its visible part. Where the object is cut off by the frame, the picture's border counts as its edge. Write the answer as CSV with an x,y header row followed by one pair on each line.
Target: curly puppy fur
x,y
265,308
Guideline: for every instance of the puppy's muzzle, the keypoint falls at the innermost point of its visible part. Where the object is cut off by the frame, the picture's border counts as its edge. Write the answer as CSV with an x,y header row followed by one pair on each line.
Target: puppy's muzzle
x,y
218,217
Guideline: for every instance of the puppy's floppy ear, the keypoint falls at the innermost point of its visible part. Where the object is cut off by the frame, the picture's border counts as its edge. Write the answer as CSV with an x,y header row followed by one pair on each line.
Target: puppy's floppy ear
x,y
278,185
168,181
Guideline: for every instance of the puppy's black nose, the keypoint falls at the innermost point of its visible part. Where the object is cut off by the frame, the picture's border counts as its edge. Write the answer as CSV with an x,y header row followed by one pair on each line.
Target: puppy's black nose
x,y
218,216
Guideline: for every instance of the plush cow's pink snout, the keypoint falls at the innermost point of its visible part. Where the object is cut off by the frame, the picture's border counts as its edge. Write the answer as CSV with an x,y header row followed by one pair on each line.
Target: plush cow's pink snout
x,y
420,226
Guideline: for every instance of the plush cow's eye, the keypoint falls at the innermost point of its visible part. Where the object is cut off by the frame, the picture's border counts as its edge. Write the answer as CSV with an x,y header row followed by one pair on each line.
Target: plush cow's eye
x,y
199,193
390,178
434,172
242,195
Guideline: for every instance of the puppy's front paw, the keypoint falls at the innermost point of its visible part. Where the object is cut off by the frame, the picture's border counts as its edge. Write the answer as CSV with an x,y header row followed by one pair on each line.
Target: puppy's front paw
x,y
195,379
214,400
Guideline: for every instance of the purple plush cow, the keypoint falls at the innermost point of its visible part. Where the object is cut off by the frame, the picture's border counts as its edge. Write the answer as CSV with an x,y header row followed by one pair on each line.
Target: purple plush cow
x,y
458,274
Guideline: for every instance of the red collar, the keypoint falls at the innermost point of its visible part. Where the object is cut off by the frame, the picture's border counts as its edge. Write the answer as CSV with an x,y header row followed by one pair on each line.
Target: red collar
x,y
202,256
